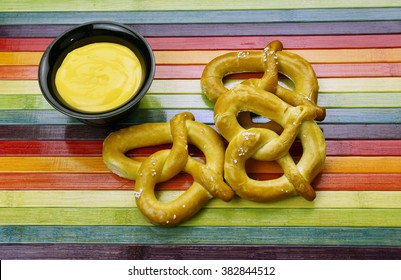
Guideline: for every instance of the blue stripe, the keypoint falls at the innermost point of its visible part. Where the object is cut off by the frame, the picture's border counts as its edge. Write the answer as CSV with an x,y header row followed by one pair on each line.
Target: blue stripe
x,y
223,29
333,116
317,236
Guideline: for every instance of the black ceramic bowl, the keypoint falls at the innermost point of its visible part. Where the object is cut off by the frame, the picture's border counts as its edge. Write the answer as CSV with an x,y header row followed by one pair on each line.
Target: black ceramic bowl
x,y
95,32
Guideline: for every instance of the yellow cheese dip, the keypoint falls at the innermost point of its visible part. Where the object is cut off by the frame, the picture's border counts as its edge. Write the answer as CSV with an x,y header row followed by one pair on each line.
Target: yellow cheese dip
x,y
98,77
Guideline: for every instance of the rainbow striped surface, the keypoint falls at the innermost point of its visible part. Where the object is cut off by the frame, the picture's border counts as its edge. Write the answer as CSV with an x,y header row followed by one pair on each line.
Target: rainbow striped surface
x,y
59,201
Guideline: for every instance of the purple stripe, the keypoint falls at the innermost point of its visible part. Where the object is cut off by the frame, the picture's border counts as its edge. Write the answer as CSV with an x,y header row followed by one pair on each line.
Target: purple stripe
x,y
84,132
109,251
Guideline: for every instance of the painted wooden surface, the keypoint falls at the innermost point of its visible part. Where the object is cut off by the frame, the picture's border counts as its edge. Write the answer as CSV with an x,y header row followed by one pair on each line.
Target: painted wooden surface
x,y
58,200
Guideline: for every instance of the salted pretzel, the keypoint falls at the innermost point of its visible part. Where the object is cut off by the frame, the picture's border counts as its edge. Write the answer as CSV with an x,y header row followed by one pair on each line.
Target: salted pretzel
x,y
271,61
165,164
292,114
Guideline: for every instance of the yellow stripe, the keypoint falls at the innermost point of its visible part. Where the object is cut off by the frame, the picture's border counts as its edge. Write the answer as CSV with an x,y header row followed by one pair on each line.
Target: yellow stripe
x,y
206,217
392,84
158,5
354,164
313,56
90,199
203,57
19,87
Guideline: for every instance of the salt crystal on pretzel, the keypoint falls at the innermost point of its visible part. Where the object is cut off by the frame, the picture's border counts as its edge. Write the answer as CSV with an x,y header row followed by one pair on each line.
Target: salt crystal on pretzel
x,y
291,115
165,164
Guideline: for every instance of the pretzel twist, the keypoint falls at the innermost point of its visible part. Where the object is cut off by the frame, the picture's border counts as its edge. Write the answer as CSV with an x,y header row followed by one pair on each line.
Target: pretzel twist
x,y
291,115
271,61
165,164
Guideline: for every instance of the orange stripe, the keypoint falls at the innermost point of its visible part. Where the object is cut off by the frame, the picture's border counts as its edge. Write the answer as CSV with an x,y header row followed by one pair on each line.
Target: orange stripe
x,y
334,164
108,181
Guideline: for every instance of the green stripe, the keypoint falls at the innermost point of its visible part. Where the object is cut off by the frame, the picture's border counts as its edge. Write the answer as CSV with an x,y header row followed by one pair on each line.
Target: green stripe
x,y
206,217
360,100
110,5
340,116
24,102
198,101
160,101
313,236
195,16
117,199
326,85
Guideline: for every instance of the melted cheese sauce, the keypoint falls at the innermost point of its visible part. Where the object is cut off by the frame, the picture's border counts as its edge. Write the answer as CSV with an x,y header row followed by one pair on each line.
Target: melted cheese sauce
x,y
98,77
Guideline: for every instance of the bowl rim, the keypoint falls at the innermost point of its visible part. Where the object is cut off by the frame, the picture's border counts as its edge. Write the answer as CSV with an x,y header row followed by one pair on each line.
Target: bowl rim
x,y
45,70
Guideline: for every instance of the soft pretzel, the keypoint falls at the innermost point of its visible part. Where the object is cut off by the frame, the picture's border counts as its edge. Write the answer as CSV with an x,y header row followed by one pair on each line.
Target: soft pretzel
x,y
291,114
271,61
266,145
165,164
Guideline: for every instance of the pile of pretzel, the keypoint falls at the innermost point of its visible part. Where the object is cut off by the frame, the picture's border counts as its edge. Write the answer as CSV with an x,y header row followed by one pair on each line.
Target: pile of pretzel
x,y
291,114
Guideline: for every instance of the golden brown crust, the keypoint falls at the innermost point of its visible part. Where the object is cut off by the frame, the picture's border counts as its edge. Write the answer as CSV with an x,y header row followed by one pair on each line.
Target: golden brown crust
x,y
296,68
118,143
165,164
291,115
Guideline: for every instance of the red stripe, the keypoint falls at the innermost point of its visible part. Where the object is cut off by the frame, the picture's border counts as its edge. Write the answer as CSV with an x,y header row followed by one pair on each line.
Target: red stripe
x,y
94,148
364,147
83,181
24,44
233,43
195,71
322,71
83,132
72,148
48,148
358,182
289,42
108,181
18,72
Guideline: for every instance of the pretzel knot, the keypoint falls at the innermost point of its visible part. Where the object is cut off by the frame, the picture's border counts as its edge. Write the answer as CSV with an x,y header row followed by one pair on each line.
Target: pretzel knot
x,y
291,114
165,164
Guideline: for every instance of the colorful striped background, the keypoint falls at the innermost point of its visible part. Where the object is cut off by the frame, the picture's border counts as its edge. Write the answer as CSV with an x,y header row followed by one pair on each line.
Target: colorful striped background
x,y
58,200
